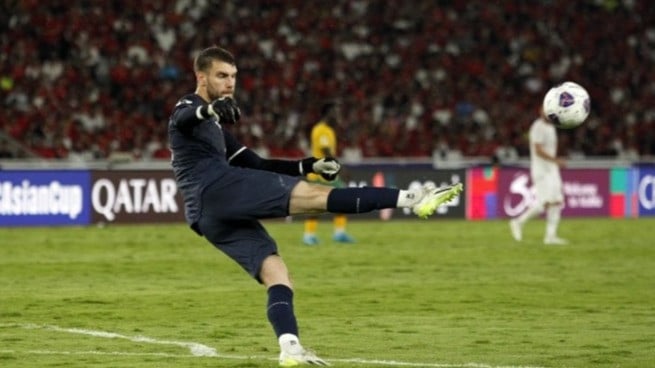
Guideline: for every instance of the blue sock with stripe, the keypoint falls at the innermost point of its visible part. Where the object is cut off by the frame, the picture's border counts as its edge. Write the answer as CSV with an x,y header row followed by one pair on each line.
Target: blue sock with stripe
x,y
361,200
280,310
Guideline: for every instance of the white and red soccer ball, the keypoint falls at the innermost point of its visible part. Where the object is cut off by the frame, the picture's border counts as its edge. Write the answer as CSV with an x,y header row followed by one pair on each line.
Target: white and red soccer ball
x,y
567,105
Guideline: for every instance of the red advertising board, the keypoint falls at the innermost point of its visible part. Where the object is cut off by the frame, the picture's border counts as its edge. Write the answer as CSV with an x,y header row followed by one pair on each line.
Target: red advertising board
x,y
586,192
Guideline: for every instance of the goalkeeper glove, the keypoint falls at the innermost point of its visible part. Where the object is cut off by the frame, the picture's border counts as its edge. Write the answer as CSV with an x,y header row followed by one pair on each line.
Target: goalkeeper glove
x,y
226,109
328,168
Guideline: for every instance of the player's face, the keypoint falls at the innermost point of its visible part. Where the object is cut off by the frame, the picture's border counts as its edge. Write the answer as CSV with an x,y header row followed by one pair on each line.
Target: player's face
x,y
543,116
220,80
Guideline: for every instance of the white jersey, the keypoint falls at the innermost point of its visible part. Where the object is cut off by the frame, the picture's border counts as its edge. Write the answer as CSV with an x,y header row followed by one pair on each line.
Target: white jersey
x,y
543,133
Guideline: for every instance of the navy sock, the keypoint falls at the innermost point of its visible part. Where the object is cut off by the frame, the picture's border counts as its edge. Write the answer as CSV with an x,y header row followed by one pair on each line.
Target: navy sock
x,y
360,200
280,310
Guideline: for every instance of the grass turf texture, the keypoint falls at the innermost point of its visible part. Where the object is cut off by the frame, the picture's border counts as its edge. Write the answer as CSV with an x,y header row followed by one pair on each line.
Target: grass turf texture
x,y
435,293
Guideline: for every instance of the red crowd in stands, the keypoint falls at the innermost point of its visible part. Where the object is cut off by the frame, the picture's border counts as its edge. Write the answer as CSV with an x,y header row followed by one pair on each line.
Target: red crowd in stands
x,y
87,80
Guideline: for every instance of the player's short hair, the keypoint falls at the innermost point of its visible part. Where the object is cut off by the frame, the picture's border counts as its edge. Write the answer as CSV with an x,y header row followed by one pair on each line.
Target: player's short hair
x,y
205,58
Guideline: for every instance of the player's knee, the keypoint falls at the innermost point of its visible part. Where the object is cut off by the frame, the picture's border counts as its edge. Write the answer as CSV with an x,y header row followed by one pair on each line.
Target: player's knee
x,y
274,271
308,198
540,206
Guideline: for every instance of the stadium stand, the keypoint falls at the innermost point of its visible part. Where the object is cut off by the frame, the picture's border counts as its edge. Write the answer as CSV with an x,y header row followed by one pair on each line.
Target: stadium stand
x,y
85,80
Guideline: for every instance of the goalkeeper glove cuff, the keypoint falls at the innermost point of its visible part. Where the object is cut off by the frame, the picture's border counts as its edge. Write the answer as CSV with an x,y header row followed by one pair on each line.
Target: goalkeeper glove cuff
x,y
306,165
204,112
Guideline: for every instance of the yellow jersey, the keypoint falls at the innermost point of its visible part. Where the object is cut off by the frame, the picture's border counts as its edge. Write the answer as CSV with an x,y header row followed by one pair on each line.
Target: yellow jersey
x,y
322,137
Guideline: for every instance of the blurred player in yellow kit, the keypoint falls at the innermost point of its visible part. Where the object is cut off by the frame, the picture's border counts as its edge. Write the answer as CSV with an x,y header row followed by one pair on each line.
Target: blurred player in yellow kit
x,y
324,144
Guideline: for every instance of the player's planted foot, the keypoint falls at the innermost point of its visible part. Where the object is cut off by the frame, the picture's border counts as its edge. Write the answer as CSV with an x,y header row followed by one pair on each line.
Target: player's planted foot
x,y
300,358
517,231
434,197
342,237
553,240
310,239
293,354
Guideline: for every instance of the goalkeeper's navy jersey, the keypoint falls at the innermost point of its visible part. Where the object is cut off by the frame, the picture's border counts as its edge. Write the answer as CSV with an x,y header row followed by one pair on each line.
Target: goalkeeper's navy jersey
x,y
200,151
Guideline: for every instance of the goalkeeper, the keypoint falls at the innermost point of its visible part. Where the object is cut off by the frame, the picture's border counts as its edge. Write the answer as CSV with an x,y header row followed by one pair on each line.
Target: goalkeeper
x,y
324,144
227,189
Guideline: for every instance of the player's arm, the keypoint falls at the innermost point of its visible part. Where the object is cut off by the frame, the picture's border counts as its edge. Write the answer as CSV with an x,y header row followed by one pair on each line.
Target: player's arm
x,y
539,150
248,158
242,156
186,117
188,114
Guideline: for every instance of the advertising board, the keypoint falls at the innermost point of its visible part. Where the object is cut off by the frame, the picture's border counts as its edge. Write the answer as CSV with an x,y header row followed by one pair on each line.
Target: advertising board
x,y
36,198
586,192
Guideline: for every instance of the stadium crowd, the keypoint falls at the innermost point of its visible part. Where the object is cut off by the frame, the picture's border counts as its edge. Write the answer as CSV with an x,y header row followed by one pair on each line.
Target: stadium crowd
x,y
90,79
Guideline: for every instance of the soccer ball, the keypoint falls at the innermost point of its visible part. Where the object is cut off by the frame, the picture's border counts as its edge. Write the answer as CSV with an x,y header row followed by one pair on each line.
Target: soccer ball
x,y
567,105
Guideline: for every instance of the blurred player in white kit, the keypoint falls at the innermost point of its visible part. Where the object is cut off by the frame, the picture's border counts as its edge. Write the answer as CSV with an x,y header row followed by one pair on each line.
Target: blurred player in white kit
x,y
547,180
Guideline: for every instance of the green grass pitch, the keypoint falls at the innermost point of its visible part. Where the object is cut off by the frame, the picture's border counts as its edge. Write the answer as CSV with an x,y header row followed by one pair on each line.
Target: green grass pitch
x,y
437,293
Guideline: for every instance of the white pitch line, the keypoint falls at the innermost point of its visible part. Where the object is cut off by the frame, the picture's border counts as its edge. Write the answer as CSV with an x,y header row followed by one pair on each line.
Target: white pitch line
x,y
394,363
200,350
196,349
125,353
95,352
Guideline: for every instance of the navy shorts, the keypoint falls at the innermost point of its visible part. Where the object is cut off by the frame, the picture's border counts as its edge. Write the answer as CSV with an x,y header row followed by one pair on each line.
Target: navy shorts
x,y
232,207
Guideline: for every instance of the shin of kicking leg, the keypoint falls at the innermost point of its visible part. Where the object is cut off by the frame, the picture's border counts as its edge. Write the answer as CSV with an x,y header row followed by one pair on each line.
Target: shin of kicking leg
x,y
361,200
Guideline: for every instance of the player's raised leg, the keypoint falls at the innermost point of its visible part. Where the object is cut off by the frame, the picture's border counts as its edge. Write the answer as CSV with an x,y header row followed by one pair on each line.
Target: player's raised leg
x,y
308,198
516,224
434,197
516,229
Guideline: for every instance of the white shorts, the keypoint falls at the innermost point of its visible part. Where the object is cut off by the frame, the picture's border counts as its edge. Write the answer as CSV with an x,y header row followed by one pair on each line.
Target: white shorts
x,y
548,189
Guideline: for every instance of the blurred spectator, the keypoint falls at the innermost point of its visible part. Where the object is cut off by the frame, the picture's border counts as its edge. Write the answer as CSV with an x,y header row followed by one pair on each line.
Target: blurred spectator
x,y
5,152
408,72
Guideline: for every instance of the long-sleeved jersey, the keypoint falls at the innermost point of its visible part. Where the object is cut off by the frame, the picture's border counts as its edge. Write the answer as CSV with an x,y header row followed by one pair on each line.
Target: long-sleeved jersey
x,y
203,152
